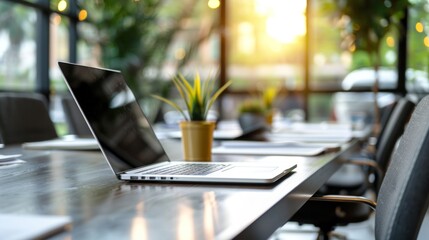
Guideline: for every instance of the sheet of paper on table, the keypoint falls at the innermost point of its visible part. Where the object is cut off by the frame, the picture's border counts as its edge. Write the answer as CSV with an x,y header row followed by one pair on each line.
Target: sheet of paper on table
x,y
16,226
268,148
63,144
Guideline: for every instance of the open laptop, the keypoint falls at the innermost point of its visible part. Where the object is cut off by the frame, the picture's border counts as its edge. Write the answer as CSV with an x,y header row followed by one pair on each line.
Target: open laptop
x,y
129,143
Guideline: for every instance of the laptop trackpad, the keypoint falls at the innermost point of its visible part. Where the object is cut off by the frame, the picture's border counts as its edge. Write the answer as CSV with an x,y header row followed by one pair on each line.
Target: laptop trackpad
x,y
248,170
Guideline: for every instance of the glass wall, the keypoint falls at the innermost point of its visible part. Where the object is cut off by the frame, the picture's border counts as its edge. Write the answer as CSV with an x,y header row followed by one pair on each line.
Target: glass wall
x,y
296,46
304,47
17,47
59,50
418,48
336,64
266,43
265,48
150,42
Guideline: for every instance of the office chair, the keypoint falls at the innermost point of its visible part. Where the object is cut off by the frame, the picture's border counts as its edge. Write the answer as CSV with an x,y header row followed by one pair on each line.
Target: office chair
x,y
24,117
403,198
339,214
357,184
75,121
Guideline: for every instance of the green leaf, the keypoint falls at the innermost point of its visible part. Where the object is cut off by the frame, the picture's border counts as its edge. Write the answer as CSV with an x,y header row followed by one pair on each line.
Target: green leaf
x,y
186,84
198,97
197,113
215,96
183,94
171,103
197,88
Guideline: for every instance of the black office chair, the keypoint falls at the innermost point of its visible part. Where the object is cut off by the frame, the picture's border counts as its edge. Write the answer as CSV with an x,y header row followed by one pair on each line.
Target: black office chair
x,y
386,113
75,121
24,117
356,182
403,197
340,214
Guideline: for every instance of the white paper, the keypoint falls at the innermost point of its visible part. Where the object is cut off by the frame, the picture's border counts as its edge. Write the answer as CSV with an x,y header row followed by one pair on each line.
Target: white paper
x,y
313,138
64,144
16,226
267,148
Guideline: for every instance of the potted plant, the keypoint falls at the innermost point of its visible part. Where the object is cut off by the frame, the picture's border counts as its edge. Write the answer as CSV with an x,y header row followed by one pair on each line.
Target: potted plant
x,y
197,132
259,111
268,96
251,115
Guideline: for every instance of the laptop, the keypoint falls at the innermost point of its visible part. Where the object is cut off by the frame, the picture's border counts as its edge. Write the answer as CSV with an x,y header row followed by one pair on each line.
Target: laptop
x,y
129,144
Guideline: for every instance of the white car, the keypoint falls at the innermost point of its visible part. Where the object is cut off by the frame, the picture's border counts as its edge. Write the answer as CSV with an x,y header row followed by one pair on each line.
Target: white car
x,y
364,78
357,108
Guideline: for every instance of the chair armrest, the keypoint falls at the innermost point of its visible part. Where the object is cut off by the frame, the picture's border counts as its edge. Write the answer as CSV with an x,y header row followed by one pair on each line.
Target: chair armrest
x,y
346,199
369,163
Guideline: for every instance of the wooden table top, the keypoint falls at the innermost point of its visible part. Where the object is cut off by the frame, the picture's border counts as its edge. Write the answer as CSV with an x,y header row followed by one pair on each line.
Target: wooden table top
x,y
81,185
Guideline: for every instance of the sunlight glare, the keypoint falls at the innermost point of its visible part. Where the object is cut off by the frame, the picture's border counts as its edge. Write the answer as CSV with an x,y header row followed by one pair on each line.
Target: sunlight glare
x,y
83,14
213,4
285,19
426,41
139,225
185,225
246,39
62,5
285,29
390,41
419,27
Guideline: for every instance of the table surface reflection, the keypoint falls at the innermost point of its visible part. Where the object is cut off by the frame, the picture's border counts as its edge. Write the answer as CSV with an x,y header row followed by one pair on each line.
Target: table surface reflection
x,y
81,185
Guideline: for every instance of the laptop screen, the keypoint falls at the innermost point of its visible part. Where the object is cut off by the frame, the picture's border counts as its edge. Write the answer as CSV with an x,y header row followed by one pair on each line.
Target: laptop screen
x,y
116,119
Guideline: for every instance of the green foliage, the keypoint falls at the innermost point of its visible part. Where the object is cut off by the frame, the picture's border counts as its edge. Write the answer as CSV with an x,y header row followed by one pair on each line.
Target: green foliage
x,y
199,97
416,45
252,106
366,22
136,37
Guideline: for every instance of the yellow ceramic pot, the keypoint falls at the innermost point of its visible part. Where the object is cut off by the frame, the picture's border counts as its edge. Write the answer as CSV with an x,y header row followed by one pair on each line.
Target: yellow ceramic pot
x,y
269,117
197,139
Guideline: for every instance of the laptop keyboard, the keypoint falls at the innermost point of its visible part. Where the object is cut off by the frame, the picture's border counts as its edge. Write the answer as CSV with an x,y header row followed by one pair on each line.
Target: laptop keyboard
x,y
187,169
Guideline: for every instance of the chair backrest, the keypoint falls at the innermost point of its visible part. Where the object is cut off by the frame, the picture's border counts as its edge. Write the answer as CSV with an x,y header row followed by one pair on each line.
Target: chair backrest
x,y
75,121
393,130
404,195
24,117
385,113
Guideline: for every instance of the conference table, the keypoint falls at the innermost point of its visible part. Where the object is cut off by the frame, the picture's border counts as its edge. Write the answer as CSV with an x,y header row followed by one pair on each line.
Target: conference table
x,y
80,184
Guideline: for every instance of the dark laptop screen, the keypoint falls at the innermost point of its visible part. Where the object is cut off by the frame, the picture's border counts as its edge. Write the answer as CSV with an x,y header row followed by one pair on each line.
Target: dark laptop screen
x,y
114,116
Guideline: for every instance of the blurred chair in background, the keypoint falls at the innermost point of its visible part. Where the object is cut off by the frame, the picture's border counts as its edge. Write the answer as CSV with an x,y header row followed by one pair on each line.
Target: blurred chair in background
x,y
392,131
403,198
356,182
24,117
75,121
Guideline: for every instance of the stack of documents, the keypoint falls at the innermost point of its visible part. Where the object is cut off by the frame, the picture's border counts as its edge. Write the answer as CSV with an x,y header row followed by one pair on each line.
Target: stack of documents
x,y
271,148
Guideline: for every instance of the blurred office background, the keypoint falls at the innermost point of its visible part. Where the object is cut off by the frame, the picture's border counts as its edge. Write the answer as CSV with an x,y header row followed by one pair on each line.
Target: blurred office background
x,y
295,45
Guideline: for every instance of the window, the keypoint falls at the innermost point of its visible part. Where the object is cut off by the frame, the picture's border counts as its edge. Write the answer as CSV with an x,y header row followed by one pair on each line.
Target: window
x,y
17,45
150,42
59,50
266,43
418,48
